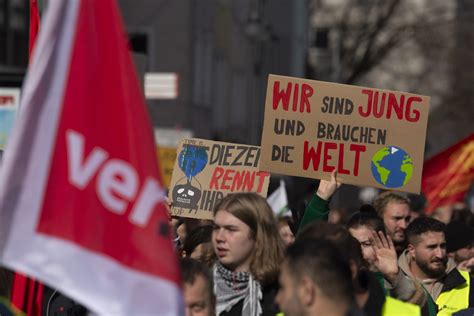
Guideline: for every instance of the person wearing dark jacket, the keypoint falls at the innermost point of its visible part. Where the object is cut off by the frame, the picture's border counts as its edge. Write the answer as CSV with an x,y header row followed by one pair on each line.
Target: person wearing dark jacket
x,y
249,251
315,280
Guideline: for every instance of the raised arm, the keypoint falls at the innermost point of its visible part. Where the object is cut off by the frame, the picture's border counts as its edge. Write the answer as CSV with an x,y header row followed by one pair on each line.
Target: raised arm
x,y
318,207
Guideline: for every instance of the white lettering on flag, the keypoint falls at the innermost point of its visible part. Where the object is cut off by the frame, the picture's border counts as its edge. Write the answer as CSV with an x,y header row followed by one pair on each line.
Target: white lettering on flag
x,y
80,171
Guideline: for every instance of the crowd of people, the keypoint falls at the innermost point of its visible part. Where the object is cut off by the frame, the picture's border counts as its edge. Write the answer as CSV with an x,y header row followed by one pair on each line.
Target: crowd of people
x,y
380,262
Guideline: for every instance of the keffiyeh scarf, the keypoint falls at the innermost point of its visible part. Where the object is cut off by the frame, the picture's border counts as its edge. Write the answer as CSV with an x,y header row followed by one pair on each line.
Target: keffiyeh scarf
x,y
231,288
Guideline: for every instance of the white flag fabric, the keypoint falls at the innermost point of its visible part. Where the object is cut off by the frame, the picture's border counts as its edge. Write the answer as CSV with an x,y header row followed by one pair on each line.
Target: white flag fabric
x,y
278,200
81,202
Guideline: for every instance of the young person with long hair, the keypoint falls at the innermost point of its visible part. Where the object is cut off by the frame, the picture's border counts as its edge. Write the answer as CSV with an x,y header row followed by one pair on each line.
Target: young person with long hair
x,y
249,251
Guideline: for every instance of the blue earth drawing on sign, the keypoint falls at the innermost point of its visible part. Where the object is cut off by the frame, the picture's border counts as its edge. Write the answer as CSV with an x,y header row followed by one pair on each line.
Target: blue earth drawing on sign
x,y
392,167
192,160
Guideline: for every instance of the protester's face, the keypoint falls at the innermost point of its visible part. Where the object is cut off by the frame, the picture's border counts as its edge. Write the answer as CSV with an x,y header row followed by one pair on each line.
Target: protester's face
x,y
287,298
363,234
429,254
396,217
286,234
197,298
232,241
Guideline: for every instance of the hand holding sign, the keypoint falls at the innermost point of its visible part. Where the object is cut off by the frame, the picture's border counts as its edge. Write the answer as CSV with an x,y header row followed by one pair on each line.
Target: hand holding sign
x,y
327,189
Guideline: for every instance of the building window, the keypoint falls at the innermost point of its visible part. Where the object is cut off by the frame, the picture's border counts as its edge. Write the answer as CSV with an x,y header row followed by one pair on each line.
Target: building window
x,y
13,33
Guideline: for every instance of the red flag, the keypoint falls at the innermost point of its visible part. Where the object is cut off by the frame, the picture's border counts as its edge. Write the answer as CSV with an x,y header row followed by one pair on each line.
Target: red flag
x,y
26,293
34,24
448,175
81,203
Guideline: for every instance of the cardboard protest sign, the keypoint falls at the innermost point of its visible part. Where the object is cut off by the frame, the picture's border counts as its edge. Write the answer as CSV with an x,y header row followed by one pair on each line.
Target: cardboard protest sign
x,y
370,136
166,157
9,101
205,171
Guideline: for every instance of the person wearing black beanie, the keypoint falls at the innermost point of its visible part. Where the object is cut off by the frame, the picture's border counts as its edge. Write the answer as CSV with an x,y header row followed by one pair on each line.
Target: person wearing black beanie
x,y
460,244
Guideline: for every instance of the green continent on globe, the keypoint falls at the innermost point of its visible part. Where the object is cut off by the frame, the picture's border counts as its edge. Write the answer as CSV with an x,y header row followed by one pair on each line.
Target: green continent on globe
x,y
384,173
407,168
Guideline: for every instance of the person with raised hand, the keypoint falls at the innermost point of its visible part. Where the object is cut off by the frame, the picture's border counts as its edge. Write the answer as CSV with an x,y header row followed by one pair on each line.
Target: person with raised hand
x,y
318,207
384,268
369,295
361,225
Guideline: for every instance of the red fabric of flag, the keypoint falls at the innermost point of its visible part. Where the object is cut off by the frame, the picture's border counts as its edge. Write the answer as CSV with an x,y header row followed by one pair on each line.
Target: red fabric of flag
x,y
448,175
34,24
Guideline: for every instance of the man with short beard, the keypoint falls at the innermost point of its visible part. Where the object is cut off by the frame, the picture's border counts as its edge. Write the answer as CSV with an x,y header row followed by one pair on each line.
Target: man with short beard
x,y
425,260
394,209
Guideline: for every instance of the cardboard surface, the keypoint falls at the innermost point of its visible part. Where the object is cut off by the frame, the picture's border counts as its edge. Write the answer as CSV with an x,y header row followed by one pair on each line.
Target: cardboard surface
x,y
205,171
372,137
166,158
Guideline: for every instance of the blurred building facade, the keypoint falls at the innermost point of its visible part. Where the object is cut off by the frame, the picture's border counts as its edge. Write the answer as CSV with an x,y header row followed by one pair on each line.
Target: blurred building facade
x,y
222,52
418,46
453,120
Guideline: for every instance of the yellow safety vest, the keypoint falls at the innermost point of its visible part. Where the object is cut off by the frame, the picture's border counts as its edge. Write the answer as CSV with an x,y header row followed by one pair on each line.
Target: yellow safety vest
x,y
394,307
456,299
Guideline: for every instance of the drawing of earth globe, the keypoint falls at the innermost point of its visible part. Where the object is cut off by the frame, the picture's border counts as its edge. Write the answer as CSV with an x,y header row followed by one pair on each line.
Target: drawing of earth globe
x,y
392,167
